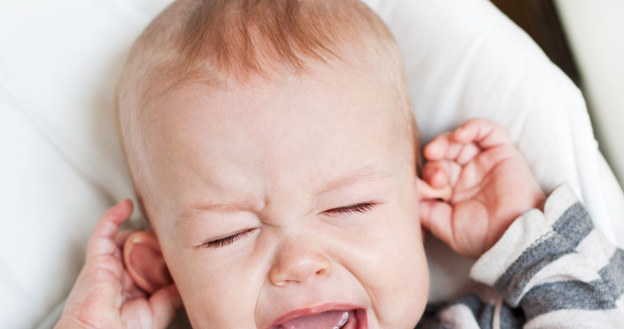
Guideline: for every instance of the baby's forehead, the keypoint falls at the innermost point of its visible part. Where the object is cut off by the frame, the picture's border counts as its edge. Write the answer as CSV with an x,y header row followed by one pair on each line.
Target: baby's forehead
x,y
329,120
330,112
284,96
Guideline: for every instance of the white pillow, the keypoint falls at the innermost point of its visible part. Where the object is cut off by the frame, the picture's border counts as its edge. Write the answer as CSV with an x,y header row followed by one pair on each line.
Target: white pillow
x,y
466,59
64,168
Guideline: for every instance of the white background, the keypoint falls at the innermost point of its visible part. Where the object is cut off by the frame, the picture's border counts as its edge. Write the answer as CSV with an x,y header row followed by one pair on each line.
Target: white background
x,y
595,30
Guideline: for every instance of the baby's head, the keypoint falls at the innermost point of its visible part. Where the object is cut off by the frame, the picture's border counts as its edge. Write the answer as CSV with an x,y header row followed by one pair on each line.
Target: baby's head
x,y
273,148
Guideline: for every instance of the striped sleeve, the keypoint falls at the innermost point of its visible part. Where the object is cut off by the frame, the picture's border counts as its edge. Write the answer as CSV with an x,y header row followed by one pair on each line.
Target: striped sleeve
x,y
557,268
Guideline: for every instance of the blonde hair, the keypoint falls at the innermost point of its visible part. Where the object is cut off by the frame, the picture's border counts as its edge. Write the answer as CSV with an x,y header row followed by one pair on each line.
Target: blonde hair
x,y
219,40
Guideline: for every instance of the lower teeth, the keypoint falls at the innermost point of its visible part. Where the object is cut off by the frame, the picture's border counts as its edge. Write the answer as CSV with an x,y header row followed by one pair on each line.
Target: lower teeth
x,y
343,320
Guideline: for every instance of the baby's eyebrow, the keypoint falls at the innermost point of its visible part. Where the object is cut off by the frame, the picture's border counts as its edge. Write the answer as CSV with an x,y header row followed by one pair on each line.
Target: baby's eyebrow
x,y
363,174
192,211
366,173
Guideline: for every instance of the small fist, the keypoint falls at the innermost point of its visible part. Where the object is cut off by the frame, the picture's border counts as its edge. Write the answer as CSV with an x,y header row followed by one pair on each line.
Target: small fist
x,y
490,183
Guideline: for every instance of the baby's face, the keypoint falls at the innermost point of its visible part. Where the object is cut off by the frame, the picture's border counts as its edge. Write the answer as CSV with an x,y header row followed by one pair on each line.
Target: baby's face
x,y
293,195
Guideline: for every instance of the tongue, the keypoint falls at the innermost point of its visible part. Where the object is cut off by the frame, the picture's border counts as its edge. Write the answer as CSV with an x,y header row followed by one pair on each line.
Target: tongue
x,y
325,320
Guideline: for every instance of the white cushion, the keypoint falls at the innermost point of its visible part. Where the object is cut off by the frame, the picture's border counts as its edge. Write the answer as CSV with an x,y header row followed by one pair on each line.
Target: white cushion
x,y
466,59
63,166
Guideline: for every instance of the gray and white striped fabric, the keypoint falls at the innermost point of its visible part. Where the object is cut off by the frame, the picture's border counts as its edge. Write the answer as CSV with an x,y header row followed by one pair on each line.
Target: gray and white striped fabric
x,y
551,269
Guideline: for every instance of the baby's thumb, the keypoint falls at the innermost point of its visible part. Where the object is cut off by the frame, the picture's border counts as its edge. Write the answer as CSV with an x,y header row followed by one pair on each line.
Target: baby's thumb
x,y
436,217
165,304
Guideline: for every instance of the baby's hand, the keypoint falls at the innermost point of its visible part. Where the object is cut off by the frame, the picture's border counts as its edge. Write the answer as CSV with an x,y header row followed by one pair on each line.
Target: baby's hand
x,y
491,185
104,295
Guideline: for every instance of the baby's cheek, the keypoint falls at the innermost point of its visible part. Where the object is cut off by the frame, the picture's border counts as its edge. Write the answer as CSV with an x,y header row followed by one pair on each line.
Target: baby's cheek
x,y
400,282
210,305
408,292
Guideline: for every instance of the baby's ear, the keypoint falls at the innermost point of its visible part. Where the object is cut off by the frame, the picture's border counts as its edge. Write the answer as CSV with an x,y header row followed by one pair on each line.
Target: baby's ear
x,y
145,263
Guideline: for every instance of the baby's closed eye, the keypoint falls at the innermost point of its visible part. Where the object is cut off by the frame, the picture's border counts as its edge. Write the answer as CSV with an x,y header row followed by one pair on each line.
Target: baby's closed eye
x,y
360,208
222,242
230,239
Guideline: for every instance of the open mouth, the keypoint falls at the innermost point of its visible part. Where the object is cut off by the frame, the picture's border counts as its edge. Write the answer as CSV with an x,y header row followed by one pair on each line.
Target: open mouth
x,y
345,319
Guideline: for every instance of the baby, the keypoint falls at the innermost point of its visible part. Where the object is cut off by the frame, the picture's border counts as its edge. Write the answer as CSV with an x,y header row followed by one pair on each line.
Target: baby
x,y
274,152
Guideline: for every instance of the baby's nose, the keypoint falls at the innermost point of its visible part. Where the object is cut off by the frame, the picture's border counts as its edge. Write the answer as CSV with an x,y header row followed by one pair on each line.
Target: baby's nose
x,y
297,261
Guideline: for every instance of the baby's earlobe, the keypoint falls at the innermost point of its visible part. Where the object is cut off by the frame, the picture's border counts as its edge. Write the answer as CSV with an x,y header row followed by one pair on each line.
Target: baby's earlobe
x,y
144,261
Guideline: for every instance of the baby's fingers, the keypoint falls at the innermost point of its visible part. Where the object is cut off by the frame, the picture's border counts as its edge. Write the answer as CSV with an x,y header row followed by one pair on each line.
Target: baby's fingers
x,y
463,226
446,147
441,173
441,147
436,174
435,216
102,241
157,312
484,133
165,304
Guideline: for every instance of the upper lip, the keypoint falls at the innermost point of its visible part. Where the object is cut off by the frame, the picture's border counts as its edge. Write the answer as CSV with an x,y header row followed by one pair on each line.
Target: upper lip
x,y
312,311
